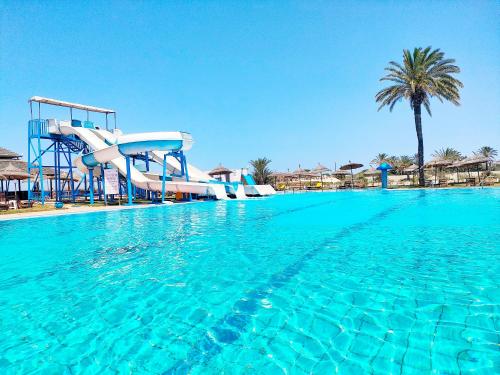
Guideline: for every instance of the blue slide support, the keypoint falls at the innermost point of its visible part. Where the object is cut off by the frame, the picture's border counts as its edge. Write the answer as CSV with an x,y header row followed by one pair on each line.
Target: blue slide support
x,y
184,171
163,177
91,186
104,186
129,182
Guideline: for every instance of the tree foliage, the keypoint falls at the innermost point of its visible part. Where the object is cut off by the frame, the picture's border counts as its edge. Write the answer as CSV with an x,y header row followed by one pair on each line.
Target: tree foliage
x,y
261,170
424,74
448,153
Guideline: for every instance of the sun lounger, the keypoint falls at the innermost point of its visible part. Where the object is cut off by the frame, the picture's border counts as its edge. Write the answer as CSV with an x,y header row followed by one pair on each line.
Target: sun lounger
x,y
470,181
443,182
25,204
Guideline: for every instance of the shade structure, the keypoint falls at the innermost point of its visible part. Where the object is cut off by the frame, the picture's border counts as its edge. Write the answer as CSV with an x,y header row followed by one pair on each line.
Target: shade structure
x,y
340,172
300,172
220,171
411,169
60,103
8,154
282,175
435,163
371,172
350,166
438,163
277,174
321,169
67,176
11,172
474,161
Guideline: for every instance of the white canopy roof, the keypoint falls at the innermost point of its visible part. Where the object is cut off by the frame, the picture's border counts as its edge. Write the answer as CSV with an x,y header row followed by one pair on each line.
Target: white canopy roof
x,y
61,103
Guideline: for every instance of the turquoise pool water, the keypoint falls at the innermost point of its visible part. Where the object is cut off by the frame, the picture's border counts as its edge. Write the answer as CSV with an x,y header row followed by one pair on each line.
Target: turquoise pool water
x,y
399,282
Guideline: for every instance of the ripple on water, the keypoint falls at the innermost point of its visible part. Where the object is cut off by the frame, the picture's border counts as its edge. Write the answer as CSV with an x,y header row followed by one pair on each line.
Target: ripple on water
x,y
368,282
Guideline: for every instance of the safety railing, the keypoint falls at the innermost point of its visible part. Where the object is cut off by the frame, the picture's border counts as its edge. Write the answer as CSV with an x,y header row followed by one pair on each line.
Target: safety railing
x,y
38,128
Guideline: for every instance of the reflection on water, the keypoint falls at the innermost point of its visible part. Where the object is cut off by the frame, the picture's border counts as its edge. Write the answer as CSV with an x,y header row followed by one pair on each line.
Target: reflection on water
x,y
353,282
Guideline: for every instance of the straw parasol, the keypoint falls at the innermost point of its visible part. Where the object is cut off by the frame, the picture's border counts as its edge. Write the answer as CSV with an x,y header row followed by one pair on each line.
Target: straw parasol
x,y
475,160
321,169
277,175
8,154
300,172
456,165
437,163
372,172
220,171
11,172
411,170
340,173
350,166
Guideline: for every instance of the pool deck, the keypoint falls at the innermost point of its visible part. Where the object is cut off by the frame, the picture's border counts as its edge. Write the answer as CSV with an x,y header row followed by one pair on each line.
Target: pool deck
x,y
75,210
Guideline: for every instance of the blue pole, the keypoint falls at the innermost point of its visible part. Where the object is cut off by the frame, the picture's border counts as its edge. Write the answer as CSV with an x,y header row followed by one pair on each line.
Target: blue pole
x,y
72,182
185,170
129,182
91,187
163,177
29,160
40,166
384,178
104,186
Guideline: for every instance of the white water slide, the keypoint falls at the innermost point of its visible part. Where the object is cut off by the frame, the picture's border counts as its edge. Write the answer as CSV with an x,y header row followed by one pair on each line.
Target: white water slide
x,y
112,153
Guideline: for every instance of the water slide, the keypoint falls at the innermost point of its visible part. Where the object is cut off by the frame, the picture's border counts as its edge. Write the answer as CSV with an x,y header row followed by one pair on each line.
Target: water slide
x,y
195,174
131,144
174,166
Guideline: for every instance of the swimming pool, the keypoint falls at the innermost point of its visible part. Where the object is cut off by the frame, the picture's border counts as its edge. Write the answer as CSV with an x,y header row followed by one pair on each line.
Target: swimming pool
x,y
349,282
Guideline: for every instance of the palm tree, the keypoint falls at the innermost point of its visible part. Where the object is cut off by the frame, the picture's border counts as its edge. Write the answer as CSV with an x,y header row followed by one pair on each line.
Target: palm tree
x,y
487,152
406,160
261,171
393,160
425,74
379,159
448,153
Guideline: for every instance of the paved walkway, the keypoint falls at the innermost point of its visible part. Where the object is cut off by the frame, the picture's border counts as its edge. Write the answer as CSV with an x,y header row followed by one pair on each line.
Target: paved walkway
x,y
74,210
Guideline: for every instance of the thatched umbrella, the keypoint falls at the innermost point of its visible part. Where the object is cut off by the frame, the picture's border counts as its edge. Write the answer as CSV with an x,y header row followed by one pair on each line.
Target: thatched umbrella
x,y
372,172
475,160
437,163
277,175
220,171
286,176
300,172
350,166
321,169
411,170
8,154
11,172
456,165
340,173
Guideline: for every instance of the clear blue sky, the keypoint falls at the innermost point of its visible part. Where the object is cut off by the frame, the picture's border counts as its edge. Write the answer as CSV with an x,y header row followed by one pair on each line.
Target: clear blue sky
x,y
290,80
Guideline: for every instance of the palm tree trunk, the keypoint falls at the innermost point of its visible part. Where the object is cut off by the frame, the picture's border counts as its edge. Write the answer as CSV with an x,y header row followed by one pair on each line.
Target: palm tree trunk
x,y
418,126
